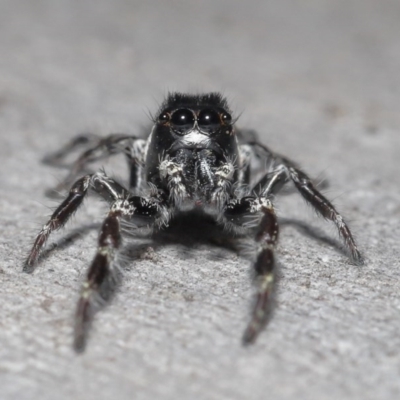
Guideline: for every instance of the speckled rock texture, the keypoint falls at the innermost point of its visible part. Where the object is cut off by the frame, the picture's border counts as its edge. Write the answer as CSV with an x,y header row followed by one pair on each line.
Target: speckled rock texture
x,y
320,82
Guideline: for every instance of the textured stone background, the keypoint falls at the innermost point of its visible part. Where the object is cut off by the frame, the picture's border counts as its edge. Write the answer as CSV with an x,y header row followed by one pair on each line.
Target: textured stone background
x,y
320,81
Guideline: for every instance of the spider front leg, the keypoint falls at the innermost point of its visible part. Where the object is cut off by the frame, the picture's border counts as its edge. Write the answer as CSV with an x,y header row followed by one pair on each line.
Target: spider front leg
x,y
104,186
266,239
100,271
103,272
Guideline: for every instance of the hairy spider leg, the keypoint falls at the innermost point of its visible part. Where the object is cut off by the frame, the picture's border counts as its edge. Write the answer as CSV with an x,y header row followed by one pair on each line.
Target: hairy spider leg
x,y
102,275
104,186
271,183
101,270
244,175
319,202
101,149
135,157
83,140
266,238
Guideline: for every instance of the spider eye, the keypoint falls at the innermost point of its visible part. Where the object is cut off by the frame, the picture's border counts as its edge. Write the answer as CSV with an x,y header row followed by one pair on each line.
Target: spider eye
x,y
226,118
182,120
163,118
209,120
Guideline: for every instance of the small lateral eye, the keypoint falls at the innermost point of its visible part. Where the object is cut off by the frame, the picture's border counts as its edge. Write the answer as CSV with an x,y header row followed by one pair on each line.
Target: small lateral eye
x,y
163,118
209,119
182,120
226,118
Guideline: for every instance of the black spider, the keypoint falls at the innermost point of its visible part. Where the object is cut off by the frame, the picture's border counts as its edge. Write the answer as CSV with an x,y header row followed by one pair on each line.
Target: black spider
x,y
192,160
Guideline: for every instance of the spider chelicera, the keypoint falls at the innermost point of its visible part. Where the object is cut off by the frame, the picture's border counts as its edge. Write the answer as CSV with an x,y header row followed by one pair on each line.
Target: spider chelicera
x,y
192,160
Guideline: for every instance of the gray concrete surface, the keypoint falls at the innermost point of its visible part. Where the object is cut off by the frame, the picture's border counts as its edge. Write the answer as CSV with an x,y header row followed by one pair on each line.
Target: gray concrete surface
x,y
320,81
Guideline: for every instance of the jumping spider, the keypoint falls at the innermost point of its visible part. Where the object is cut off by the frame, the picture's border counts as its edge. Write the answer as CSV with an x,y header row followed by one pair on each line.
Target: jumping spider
x,y
192,160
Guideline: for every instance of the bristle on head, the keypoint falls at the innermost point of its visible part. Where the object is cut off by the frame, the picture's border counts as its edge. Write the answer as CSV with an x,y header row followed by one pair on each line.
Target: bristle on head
x,y
182,100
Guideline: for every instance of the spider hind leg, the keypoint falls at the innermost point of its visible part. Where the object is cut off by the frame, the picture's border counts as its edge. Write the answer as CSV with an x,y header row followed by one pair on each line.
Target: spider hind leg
x,y
98,149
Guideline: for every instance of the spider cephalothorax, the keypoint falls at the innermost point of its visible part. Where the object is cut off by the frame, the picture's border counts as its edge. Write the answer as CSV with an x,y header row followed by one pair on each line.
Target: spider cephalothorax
x,y
194,139
192,160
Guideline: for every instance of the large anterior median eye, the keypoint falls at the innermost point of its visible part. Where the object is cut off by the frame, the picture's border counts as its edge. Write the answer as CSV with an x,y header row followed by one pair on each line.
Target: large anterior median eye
x,y
209,120
182,120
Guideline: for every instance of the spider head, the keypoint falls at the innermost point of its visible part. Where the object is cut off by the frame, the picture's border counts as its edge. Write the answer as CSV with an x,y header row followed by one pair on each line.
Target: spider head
x,y
192,124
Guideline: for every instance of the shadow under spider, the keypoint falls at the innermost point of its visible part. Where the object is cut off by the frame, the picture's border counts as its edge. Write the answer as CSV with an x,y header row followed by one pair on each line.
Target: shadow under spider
x,y
314,233
68,239
188,230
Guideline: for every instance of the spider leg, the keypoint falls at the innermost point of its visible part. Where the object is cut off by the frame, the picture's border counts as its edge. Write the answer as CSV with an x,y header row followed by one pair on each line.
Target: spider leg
x,y
271,183
245,153
103,148
325,208
309,192
85,139
104,186
266,239
100,271
135,158
103,272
